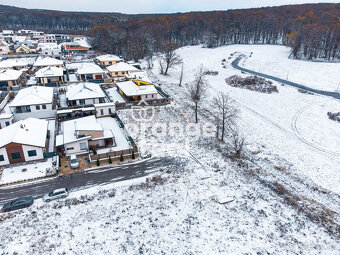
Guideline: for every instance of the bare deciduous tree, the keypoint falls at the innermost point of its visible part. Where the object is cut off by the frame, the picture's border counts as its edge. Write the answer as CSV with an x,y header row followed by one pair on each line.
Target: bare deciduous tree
x,y
198,88
169,58
224,113
238,141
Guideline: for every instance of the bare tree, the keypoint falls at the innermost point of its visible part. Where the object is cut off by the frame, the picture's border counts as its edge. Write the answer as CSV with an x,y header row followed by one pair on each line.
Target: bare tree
x,y
198,88
169,58
238,141
181,75
224,112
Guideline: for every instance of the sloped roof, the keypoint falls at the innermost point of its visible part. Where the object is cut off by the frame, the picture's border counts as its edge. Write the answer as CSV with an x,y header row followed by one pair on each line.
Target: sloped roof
x,y
89,68
121,66
9,63
49,71
108,57
30,131
9,75
32,96
131,89
84,90
48,61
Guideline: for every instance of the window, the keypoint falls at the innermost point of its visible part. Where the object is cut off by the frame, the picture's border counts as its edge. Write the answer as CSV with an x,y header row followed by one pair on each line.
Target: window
x,y
2,158
101,112
44,106
28,108
116,73
110,111
70,148
146,96
7,123
152,95
83,146
32,153
81,101
37,107
16,155
94,100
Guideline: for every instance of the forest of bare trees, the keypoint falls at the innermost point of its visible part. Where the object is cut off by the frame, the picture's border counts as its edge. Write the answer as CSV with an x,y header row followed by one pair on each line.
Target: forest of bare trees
x,y
311,30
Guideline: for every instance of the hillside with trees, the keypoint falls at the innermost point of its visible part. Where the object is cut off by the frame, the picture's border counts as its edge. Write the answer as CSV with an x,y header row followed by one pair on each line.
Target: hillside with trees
x,y
311,30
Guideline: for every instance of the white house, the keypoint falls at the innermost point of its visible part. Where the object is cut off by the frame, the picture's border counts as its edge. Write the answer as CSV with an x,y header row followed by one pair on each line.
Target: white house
x,y
90,71
133,92
14,63
23,141
42,62
6,120
79,135
4,48
121,69
85,93
32,99
50,76
105,109
50,49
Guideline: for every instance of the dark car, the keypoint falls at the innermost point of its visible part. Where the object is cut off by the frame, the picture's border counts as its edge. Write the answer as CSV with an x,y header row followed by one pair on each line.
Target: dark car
x,y
18,203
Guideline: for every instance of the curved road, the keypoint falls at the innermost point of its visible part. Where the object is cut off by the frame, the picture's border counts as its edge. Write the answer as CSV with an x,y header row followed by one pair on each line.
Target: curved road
x,y
235,64
78,181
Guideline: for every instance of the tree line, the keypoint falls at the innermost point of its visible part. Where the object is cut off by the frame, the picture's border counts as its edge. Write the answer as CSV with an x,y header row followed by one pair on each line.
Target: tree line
x,y
311,30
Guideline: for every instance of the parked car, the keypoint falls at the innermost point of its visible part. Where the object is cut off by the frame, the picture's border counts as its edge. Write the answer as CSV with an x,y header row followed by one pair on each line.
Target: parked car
x,y
19,203
74,161
55,194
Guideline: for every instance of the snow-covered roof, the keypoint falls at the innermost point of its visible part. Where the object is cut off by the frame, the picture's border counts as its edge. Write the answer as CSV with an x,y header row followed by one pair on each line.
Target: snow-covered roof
x,y
131,89
142,76
108,57
48,46
9,75
82,124
30,131
84,90
89,68
122,66
50,71
13,62
48,61
33,96
6,116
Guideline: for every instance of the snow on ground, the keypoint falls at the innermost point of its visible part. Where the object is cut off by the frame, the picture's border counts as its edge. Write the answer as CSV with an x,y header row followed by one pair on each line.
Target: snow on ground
x,y
23,172
290,124
73,77
273,60
114,94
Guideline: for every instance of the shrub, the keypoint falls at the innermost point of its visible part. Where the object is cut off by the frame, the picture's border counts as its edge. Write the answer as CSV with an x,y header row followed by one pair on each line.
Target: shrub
x,y
98,162
110,160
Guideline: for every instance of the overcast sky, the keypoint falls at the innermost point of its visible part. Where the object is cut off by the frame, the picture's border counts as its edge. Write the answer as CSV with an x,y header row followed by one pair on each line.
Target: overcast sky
x,y
151,6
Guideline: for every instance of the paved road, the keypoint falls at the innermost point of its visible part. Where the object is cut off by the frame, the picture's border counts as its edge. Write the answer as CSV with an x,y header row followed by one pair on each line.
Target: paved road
x,y
236,62
78,181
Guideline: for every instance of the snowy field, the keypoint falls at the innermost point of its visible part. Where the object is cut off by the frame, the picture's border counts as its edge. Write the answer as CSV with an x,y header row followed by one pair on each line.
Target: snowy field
x,y
289,124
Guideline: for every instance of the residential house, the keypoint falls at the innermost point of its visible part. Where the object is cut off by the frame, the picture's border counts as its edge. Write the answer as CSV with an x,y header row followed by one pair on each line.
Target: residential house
x,y
90,72
4,48
79,135
32,99
50,76
49,38
121,69
23,32
23,49
105,109
85,94
107,60
134,92
48,61
50,49
23,141
15,63
74,48
6,120
9,78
